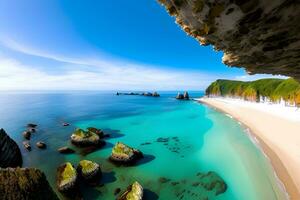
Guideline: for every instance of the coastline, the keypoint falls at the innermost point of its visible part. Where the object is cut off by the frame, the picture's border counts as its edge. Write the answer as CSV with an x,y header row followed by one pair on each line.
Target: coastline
x,y
282,146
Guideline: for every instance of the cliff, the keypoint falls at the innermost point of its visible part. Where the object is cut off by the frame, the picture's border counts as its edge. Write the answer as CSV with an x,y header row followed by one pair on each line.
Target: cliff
x,y
25,184
261,36
272,89
10,155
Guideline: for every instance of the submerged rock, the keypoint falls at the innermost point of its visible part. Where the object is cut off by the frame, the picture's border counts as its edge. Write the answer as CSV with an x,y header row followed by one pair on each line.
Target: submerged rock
x,y
66,178
25,184
41,145
10,154
89,171
133,192
65,150
86,138
212,181
123,154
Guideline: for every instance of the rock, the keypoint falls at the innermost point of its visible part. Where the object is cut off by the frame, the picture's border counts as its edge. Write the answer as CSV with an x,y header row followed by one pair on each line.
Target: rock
x,y
149,94
163,180
186,96
65,150
66,179
10,154
83,138
65,124
89,171
117,191
212,181
256,35
27,146
25,183
41,145
99,132
133,192
124,154
155,94
30,125
179,96
27,135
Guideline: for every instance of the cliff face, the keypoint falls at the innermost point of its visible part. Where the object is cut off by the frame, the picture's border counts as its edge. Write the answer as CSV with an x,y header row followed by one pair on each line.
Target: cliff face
x,y
260,35
10,155
24,184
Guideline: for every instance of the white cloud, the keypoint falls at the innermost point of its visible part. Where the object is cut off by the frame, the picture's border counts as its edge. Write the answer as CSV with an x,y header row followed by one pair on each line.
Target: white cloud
x,y
258,76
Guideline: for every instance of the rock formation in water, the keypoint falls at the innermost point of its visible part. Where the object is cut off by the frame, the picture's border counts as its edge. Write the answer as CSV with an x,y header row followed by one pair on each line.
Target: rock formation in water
x,y
89,171
24,184
179,96
66,179
10,154
86,138
123,154
133,192
41,145
184,96
65,150
261,36
97,131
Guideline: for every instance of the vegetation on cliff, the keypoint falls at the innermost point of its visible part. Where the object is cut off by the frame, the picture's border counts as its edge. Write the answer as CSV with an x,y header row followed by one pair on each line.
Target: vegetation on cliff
x,y
273,89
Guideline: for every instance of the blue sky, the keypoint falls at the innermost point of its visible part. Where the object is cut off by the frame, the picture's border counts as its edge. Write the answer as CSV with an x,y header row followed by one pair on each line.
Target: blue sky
x,y
101,45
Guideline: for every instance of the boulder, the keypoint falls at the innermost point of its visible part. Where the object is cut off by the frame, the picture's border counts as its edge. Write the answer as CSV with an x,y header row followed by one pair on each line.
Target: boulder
x,y
179,96
41,145
66,178
65,150
133,192
186,95
89,171
123,154
27,145
99,132
10,154
86,138
65,124
27,135
25,183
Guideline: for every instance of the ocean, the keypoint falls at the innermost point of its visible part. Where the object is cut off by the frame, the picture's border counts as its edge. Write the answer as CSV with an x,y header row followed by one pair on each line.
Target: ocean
x,y
198,140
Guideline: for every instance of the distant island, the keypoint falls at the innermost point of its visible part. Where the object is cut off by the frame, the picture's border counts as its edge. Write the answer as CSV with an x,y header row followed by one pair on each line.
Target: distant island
x,y
273,90
148,94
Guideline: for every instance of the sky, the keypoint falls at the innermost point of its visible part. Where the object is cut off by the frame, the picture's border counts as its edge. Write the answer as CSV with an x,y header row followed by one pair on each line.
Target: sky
x,y
102,45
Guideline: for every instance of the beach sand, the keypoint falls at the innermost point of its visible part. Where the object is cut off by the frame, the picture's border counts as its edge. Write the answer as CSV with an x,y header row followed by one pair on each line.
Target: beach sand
x,y
277,129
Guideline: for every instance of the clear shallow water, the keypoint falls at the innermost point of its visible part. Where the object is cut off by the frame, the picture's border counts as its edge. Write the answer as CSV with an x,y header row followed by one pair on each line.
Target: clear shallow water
x,y
207,141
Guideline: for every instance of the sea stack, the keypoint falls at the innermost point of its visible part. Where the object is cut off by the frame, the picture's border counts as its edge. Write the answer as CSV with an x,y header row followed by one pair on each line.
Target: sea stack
x,y
155,94
179,96
186,95
89,171
25,183
10,154
97,131
66,179
123,154
133,192
86,138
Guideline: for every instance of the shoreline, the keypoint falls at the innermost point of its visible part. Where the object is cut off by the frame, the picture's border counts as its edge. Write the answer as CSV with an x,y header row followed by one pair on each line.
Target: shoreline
x,y
277,156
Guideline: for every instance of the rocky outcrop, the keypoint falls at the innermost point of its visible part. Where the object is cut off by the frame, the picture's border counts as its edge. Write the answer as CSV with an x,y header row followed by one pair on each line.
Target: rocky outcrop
x,y
133,192
66,179
86,138
65,150
261,36
27,135
24,184
41,145
97,131
123,154
89,171
179,96
10,154
184,96
155,94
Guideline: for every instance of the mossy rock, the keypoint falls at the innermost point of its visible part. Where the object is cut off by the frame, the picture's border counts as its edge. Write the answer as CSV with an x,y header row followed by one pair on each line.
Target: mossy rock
x,y
133,192
122,153
85,138
88,170
66,178
97,131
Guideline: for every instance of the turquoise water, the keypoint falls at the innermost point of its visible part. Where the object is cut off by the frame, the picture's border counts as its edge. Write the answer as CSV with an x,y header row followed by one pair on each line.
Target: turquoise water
x,y
200,140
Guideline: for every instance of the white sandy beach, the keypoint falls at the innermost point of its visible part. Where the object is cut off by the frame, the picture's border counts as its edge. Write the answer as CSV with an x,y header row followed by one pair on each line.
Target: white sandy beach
x,y
277,129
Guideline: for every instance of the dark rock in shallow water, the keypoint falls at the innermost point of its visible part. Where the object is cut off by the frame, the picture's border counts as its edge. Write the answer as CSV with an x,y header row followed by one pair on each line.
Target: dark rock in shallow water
x,y
117,191
163,180
133,192
10,154
24,184
65,150
41,145
124,154
30,125
89,171
66,179
27,135
27,145
212,181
